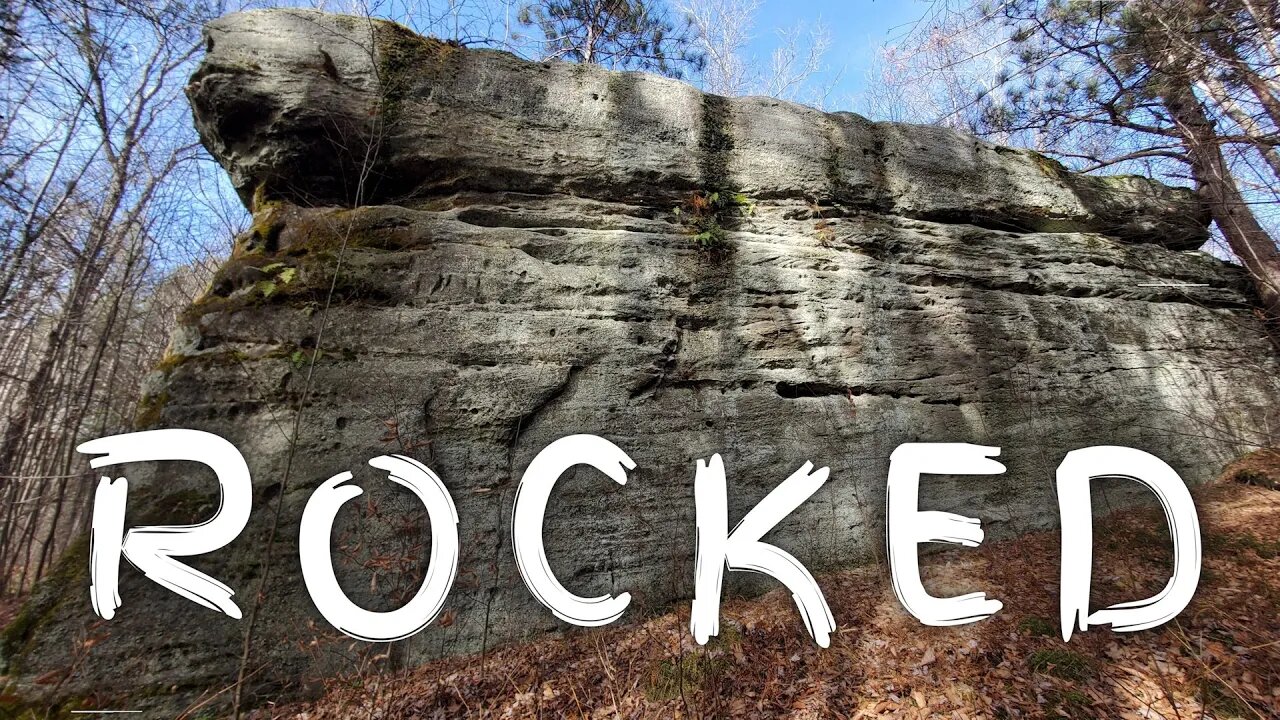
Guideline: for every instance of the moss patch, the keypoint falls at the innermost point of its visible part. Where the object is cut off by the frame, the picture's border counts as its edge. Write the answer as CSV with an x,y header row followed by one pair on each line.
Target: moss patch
x,y
402,56
1051,168
712,211
676,677
289,256
671,679
1258,478
261,280
264,232
715,144
1242,542
187,506
1063,664
150,410
62,585
1038,626
1068,704
831,165
1260,468
1222,702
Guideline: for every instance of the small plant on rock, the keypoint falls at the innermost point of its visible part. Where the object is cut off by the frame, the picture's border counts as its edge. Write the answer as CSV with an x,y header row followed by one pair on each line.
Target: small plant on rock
x,y
706,214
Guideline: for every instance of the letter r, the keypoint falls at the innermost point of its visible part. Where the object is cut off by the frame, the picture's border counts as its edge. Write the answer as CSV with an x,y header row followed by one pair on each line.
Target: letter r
x,y
151,549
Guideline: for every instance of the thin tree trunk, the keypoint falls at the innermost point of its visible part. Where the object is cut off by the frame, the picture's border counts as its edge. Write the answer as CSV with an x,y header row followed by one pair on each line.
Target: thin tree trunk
x,y
1246,236
1218,92
1263,88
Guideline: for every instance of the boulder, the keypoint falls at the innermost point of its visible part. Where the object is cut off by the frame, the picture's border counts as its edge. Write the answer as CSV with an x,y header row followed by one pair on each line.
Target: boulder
x,y
484,254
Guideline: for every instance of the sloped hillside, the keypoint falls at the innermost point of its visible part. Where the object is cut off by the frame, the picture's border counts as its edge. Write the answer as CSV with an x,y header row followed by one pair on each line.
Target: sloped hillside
x,y
1219,659
461,256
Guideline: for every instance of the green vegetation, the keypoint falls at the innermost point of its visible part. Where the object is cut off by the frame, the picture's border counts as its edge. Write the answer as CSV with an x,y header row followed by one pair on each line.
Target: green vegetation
x,y
1236,543
59,587
1063,664
151,405
715,143
264,233
278,274
1222,702
1257,478
1035,625
706,214
1052,169
265,269
835,178
670,679
1068,704
402,56
150,409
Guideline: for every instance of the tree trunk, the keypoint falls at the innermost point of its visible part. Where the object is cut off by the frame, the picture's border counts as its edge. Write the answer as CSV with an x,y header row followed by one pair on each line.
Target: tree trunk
x,y
1246,236
1216,90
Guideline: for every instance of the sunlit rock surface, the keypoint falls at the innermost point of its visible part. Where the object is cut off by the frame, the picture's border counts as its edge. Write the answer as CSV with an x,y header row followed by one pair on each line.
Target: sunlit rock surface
x,y
485,254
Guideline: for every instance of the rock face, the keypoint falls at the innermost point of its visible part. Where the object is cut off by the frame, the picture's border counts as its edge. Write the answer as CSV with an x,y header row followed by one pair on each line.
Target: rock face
x,y
485,254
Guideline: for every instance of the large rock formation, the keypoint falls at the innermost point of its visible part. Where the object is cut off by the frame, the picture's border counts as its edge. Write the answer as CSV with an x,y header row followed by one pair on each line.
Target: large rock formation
x,y
486,254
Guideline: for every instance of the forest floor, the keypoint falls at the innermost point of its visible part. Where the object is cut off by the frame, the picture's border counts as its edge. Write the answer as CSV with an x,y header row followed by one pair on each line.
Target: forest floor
x,y
1220,658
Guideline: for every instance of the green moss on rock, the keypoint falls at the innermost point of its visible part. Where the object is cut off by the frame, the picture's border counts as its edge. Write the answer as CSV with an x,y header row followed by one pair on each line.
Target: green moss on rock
x,y
1051,168
264,232
715,144
65,583
150,410
297,265
402,56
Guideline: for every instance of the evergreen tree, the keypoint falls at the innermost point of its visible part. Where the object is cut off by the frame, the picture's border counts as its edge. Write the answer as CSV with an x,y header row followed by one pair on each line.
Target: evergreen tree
x,y
622,34
1189,82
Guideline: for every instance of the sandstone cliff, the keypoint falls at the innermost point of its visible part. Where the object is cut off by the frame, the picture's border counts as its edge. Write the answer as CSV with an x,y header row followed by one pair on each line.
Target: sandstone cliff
x,y
486,254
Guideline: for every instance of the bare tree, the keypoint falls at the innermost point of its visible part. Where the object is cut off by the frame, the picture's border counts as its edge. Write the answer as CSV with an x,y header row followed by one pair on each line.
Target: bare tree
x,y
97,168
936,73
487,23
796,69
798,60
722,32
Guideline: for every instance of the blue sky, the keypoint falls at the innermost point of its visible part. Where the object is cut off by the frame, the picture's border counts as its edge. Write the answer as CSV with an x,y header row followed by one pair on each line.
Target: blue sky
x,y
858,28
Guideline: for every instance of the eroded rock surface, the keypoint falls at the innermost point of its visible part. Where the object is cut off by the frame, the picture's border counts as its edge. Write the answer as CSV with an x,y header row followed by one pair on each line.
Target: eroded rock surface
x,y
486,254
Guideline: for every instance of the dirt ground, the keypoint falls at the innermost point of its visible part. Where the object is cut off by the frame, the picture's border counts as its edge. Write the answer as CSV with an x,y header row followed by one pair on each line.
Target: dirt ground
x,y
1220,658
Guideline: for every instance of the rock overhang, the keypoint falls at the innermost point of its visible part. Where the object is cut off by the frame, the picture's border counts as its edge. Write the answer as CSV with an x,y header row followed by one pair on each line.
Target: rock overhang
x,y
365,111
492,253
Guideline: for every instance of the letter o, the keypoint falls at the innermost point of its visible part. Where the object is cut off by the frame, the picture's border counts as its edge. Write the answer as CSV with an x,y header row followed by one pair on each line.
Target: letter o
x,y
317,565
